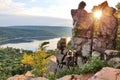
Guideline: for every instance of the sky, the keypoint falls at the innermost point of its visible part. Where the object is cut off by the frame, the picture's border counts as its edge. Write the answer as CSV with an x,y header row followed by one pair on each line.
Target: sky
x,y
42,12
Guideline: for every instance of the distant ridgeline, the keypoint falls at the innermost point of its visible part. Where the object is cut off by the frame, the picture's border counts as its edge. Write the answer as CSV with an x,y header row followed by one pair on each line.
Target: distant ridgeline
x,y
15,34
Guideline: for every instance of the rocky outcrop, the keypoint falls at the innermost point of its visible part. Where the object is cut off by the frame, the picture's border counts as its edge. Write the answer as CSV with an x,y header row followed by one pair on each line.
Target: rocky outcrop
x,y
107,73
23,77
115,62
67,77
106,54
28,73
39,78
27,76
90,34
76,77
19,77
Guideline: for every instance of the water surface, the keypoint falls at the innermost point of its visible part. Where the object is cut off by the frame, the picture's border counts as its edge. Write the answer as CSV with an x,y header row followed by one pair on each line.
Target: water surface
x,y
34,44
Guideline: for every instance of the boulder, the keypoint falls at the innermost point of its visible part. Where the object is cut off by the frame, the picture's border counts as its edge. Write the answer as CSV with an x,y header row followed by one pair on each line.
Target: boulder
x,y
76,77
19,77
68,77
86,49
115,62
82,77
111,52
53,58
77,40
28,73
96,54
107,73
39,78
23,77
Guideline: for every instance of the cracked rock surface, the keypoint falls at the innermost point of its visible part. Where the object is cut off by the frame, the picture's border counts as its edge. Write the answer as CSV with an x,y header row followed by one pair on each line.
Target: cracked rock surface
x,y
107,73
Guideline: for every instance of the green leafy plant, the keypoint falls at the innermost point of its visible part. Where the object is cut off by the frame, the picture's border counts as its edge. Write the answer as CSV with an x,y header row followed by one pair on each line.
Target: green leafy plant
x,y
93,65
65,72
51,76
39,63
38,60
43,45
10,62
69,45
51,52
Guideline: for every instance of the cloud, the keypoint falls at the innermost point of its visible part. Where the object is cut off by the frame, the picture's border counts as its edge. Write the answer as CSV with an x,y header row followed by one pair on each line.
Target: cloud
x,y
5,20
19,8
51,8
52,11
33,0
9,4
31,12
23,15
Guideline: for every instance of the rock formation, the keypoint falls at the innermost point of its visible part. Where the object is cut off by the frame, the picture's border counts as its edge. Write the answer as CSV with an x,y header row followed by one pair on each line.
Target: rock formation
x,y
91,34
27,76
107,73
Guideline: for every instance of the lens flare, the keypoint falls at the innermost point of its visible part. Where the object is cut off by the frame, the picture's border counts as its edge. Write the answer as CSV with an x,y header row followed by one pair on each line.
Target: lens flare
x,y
97,14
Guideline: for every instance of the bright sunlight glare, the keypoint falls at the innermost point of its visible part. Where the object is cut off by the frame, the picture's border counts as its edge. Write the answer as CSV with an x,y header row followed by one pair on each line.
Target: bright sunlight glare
x,y
97,14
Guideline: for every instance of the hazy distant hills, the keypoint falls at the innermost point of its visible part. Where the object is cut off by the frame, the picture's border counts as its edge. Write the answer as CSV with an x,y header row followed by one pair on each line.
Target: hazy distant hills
x,y
27,33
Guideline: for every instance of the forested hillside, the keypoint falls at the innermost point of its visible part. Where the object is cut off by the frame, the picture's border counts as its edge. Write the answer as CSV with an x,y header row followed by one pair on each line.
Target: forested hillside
x,y
27,33
10,62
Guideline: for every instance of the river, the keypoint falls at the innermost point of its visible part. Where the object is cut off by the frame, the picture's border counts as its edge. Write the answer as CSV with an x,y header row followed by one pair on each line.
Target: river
x,y
34,44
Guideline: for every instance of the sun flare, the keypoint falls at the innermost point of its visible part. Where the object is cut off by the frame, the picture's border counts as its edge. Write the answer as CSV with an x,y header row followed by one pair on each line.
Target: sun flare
x,y
97,14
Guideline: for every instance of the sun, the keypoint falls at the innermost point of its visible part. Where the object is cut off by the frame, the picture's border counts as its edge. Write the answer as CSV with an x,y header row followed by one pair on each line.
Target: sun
x,y
97,14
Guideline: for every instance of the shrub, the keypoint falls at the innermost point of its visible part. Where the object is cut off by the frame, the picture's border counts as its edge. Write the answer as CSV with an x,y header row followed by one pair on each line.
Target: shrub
x,y
27,59
51,52
65,72
38,60
69,45
93,65
51,76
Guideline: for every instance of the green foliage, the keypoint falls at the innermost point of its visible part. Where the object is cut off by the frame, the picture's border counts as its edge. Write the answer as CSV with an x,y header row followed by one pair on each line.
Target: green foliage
x,y
51,52
117,14
118,6
27,59
40,63
42,46
118,44
93,65
5,76
10,62
51,76
118,39
38,60
65,72
69,45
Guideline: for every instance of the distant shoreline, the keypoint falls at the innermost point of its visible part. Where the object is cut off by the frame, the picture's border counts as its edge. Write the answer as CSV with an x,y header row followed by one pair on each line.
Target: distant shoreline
x,y
33,45
25,39
17,34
